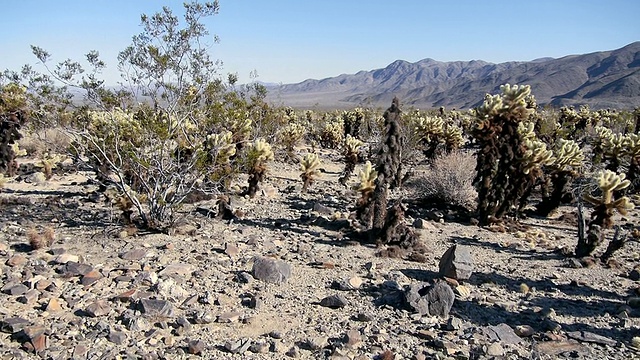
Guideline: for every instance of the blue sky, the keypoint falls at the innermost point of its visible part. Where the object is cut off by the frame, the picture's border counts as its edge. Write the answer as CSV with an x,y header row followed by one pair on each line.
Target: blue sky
x,y
289,41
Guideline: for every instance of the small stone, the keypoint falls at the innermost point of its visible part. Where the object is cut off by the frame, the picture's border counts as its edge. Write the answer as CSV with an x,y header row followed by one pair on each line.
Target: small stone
x,y
495,349
238,346
16,260
38,340
65,258
315,343
353,339
53,305
196,347
420,223
590,337
635,342
524,330
80,352
117,337
293,352
98,308
231,250
503,333
72,268
355,282
524,288
259,348
364,317
276,334
15,290
454,324
135,254
334,301
127,296
271,270
151,307
169,289
457,263
29,297
229,317
178,269
91,277
13,325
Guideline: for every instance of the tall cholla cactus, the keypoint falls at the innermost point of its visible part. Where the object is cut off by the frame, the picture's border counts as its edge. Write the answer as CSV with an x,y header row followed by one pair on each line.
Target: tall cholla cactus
x,y
310,166
365,186
503,178
258,155
614,149
452,137
632,150
351,154
562,170
605,205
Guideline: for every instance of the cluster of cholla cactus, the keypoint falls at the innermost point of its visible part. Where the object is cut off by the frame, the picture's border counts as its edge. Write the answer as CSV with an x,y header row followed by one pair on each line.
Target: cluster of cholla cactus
x,y
331,134
435,134
561,172
605,205
290,136
310,166
351,153
352,121
502,178
617,150
219,149
258,155
12,117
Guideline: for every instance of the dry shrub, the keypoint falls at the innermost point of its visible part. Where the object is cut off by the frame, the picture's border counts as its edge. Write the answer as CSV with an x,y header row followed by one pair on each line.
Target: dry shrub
x,y
39,240
51,140
449,180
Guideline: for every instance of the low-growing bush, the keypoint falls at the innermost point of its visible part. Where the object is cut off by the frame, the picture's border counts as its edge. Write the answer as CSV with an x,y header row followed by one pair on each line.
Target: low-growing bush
x,y
449,180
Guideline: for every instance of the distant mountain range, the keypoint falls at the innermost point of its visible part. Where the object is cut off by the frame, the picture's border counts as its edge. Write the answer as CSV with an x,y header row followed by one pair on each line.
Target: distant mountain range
x,y
606,79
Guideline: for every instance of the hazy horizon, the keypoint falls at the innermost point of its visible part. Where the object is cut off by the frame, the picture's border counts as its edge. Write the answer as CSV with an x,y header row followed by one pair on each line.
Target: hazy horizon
x,y
291,41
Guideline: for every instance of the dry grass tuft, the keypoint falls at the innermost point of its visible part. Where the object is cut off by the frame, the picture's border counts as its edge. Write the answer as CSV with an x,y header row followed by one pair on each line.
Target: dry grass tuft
x,y
42,240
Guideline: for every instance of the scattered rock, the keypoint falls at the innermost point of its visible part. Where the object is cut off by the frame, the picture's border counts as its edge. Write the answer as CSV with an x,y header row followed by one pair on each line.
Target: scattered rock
x,y
457,263
353,339
590,337
117,337
65,258
334,301
151,307
15,290
554,348
315,343
91,277
503,333
177,269
135,254
37,338
524,330
16,260
98,308
495,349
237,346
196,347
271,270
13,325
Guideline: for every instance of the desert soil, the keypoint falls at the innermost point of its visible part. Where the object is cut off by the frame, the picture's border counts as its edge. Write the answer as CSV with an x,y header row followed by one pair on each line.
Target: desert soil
x,y
90,294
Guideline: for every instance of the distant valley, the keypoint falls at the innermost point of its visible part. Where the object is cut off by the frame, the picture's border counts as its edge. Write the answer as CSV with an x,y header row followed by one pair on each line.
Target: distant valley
x,y
605,79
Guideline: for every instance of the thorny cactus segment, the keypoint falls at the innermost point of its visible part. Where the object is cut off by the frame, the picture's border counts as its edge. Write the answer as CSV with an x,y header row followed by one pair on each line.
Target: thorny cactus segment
x,y
367,177
614,149
351,154
310,166
332,134
258,155
526,130
452,136
240,127
536,155
511,104
429,127
602,217
220,147
568,155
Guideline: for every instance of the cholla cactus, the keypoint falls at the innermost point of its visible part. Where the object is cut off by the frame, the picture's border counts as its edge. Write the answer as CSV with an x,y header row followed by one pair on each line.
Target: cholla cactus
x,y
15,147
258,155
310,166
569,156
614,149
602,217
632,150
597,143
351,153
49,162
367,177
290,136
332,134
220,147
240,127
536,155
452,137
504,161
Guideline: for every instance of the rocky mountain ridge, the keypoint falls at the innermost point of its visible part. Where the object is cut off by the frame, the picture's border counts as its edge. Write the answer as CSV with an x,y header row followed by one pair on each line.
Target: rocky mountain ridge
x,y
600,79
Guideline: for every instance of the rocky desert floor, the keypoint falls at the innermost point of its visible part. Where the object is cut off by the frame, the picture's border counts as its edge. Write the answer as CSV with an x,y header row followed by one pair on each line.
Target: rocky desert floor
x,y
200,292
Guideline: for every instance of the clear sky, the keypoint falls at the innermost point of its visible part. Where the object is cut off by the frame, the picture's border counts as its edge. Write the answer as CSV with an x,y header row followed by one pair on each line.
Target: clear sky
x,y
288,41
